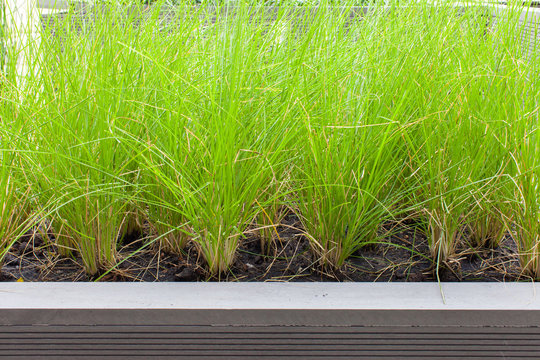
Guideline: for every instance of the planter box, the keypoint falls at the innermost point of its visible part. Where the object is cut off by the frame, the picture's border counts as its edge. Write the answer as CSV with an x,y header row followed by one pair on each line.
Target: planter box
x,y
270,320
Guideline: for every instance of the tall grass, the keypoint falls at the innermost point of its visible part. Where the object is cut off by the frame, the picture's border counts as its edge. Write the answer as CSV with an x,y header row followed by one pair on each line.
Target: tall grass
x,y
15,191
520,76
206,126
87,179
217,154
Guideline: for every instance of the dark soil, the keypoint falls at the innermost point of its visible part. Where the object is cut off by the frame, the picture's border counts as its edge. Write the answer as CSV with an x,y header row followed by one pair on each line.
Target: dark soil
x,y
403,256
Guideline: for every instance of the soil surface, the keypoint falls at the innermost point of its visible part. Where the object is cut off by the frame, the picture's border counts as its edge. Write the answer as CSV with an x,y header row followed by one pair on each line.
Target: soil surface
x,y
402,256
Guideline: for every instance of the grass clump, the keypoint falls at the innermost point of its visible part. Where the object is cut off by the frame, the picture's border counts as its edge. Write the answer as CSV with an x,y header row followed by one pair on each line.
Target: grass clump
x,y
15,192
208,125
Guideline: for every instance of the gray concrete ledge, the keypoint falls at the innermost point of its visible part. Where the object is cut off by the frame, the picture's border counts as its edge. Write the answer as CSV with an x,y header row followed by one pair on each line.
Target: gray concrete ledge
x,y
272,295
276,304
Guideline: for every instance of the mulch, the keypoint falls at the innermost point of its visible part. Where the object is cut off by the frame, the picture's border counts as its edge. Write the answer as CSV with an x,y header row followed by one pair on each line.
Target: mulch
x,y
401,256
